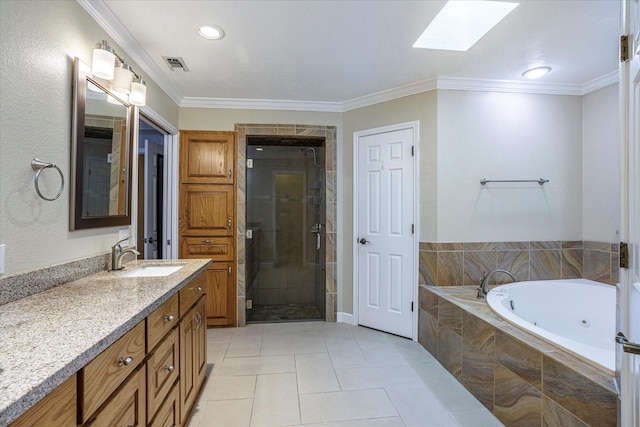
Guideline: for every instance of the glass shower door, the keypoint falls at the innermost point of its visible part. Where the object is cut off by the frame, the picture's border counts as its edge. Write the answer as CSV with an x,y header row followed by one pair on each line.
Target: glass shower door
x,y
285,222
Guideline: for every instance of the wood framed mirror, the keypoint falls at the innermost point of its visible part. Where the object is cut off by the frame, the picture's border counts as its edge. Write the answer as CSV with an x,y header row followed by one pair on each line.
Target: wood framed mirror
x,y
101,153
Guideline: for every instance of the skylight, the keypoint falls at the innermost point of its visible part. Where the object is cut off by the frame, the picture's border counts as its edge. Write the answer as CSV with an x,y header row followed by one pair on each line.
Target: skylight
x,y
460,24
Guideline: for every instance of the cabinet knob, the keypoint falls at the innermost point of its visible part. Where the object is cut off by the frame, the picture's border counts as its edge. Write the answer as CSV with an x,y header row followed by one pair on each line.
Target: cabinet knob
x,y
169,318
169,368
125,361
230,173
199,289
229,224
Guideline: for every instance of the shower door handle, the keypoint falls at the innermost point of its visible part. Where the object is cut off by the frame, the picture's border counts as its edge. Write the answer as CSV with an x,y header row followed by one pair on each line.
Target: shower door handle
x,y
628,347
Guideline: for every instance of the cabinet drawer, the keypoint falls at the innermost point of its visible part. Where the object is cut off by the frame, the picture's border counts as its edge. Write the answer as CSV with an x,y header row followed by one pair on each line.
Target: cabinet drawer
x,y
103,375
216,248
162,371
190,293
161,321
126,407
169,413
57,409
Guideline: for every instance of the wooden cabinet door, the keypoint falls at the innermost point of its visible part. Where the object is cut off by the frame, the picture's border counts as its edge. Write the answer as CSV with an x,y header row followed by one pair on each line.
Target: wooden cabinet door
x,y
206,210
169,413
162,372
193,357
221,294
200,343
207,157
58,408
126,407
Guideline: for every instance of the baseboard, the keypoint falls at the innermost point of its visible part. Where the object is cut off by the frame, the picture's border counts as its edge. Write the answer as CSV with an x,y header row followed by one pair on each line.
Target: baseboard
x,y
346,318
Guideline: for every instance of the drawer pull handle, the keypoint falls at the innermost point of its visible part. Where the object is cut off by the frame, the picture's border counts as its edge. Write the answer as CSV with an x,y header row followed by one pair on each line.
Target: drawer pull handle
x,y
230,173
169,368
125,361
207,241
229,224
169,318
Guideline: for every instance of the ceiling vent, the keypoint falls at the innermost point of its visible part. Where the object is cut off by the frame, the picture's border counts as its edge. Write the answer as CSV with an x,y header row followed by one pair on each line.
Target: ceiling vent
x,y
175,63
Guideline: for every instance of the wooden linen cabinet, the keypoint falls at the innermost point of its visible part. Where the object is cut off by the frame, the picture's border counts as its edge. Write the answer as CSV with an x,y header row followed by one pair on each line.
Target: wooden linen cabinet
x,y
207,215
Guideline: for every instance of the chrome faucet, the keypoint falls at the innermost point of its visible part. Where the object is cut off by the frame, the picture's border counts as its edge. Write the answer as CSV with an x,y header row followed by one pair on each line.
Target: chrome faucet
x,y
483,290
117,253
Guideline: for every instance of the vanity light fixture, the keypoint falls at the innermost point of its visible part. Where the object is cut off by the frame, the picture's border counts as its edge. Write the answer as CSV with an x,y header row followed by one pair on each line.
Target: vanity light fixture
x,y
211,32
536,73
108,65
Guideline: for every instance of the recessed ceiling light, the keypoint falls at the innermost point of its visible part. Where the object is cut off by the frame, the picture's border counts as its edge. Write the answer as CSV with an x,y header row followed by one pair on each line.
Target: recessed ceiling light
x,y
211,32
460,24
536,72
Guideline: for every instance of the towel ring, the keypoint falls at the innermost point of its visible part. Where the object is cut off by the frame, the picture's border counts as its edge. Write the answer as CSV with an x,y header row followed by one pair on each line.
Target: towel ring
x,y
38,165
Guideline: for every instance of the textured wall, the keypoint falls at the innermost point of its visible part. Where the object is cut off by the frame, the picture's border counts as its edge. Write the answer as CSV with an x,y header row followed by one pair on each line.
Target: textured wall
x,y
39,40
601,165
509,136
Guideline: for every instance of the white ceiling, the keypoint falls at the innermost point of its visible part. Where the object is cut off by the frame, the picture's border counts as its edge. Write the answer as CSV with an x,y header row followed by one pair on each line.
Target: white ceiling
x,y
331,54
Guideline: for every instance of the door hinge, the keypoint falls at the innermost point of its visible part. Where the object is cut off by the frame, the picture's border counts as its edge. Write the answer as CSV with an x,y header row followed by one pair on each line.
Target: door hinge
x,y
412,150
168,242
624,48
624,255
411,306
413,229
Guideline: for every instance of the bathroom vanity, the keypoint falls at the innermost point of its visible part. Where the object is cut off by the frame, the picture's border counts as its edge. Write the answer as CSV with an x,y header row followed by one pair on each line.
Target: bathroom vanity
x,y
125,348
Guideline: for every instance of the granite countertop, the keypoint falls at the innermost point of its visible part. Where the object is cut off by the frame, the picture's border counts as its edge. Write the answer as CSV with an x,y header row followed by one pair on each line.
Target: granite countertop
x,y
47,337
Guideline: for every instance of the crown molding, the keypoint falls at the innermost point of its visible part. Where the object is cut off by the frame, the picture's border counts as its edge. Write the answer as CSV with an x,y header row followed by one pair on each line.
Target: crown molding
x,y
261,104
601,82
121,35
509,86
390,94
106,19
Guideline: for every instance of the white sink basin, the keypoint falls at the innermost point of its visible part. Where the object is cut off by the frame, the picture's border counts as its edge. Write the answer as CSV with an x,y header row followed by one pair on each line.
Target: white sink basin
x,y
153,271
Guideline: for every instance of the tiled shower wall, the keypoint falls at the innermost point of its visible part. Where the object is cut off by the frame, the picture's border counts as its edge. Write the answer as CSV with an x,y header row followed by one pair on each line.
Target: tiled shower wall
x,y
330,135
466,263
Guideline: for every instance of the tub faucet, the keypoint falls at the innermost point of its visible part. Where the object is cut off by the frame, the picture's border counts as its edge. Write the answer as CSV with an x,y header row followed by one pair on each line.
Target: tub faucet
x,y
117,253
483,290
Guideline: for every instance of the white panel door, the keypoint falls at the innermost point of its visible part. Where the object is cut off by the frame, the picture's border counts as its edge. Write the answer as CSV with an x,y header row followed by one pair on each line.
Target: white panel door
x,y
385,230
629,290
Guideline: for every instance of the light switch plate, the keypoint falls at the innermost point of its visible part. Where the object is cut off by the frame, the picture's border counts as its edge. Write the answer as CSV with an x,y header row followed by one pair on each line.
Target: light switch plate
x,y
249,234
2,257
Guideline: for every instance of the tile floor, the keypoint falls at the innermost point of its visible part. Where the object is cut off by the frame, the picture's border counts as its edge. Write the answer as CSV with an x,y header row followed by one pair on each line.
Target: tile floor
x,y
328,374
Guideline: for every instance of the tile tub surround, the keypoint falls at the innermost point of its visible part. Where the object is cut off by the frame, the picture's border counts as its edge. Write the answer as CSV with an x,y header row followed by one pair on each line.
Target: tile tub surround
x,y
520,378
330,134
49,336
465,263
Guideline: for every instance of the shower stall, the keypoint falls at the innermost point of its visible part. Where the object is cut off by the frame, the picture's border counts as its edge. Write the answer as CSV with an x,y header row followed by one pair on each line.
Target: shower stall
x,y
285,239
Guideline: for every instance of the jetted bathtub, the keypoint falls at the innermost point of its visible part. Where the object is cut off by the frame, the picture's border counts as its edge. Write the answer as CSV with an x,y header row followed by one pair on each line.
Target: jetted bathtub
x,y
577,315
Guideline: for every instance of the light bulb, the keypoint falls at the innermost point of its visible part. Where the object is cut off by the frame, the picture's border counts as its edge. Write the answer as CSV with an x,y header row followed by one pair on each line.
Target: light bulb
x,y
123,78
103,61
138,94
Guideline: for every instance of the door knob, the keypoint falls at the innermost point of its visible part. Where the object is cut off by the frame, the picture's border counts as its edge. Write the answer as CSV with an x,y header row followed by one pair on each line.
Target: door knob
x,y
363,241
